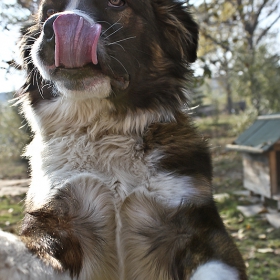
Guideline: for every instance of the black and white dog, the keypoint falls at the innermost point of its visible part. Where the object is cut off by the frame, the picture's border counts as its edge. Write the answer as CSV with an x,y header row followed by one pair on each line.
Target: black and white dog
x,y
121,179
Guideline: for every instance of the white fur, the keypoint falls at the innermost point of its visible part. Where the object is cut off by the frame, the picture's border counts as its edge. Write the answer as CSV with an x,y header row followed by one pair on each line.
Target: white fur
x,y
66,153
63,116
72,5
98,85
35,57
174,190
95,206
215,270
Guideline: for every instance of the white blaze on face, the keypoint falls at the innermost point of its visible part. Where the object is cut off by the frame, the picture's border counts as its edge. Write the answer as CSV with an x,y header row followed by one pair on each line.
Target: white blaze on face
x,y
97,85
72,5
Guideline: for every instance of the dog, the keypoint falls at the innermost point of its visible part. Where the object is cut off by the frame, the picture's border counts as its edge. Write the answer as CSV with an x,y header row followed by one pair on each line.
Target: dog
x,y
121,178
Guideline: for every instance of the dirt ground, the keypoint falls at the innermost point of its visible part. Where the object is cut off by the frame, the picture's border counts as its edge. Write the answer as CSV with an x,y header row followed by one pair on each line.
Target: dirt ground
x,y
14,187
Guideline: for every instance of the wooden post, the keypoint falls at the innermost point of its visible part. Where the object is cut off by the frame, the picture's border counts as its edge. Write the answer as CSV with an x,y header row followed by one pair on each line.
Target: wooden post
x,y
273,172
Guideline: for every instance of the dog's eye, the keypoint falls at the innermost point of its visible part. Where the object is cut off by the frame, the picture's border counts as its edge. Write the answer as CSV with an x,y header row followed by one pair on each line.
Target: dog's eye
x,y
116,3
50,12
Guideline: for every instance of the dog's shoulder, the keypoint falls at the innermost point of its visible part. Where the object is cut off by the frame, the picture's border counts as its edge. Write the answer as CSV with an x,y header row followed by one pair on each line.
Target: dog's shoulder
x,y
184,150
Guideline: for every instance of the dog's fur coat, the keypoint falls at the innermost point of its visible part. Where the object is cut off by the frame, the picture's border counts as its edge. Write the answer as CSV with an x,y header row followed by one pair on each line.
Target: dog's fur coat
x,y
121,180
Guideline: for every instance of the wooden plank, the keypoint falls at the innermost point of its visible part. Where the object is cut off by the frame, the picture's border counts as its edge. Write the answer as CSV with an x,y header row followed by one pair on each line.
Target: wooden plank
x,y
269,117
277,198
273,172
242,148
257,173
277,146
278,171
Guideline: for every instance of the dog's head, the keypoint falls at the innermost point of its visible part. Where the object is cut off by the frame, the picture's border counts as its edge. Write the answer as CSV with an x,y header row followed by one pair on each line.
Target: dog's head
x,y
134,53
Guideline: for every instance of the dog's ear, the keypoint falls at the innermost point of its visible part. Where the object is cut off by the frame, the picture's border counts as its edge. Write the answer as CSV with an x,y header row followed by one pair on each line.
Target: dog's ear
x,y
178,28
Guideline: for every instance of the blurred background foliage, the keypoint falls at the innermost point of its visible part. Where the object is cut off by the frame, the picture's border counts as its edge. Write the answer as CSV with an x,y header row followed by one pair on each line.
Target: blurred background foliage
x,y
14,135
238,50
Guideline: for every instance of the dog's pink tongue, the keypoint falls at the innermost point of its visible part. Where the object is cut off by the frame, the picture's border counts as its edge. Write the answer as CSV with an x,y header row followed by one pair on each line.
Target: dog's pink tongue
x,y
75,41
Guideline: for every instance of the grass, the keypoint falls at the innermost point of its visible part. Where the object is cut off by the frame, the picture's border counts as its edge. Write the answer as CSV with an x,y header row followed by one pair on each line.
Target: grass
x,y
13,169
12,142
11,212
258,242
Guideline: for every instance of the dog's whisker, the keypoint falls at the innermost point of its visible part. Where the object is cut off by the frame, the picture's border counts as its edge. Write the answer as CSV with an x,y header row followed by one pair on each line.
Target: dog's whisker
x,y
117,22
103,21
132,37
38,86
31,38
119,63
119,46
27,47
111,69
46,85
33,75
113,33
27,61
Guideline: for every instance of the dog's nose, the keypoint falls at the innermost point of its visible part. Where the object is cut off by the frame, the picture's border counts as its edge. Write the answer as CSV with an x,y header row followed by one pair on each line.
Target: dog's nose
x,y
48,27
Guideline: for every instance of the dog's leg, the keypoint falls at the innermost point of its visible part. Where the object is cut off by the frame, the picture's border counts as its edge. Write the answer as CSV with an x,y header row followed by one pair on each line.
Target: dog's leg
x,y
74,231
176,243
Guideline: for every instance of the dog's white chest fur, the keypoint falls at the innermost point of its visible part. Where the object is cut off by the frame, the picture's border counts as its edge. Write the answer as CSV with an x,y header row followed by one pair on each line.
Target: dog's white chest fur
x,y
109,187
117,161
104,173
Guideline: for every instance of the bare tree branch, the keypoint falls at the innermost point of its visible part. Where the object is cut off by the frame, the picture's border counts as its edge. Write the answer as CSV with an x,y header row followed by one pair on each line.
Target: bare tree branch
x,y
214,40
257,15
264,32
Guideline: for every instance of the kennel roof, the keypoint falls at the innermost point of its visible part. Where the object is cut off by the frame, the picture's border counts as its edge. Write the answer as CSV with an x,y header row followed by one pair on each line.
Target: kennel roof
x,y
260,136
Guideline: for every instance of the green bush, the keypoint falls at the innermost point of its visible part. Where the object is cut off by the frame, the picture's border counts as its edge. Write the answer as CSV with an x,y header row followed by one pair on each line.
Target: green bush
x,y
14,136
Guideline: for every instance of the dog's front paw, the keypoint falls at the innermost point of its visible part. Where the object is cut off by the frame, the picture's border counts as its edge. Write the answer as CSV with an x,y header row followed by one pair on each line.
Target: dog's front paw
x,y
215,270
18,263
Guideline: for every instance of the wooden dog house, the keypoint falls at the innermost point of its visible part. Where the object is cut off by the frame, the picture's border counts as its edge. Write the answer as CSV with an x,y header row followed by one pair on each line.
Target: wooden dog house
x,y
260,147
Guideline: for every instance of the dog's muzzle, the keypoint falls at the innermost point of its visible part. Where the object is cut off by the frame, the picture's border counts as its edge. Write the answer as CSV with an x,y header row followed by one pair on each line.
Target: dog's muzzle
x,y
75,38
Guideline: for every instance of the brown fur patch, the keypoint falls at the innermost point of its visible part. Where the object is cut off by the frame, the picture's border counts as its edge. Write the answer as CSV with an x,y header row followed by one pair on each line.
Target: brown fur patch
x,y
63,230
170,243
184,151
49,233
181,35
